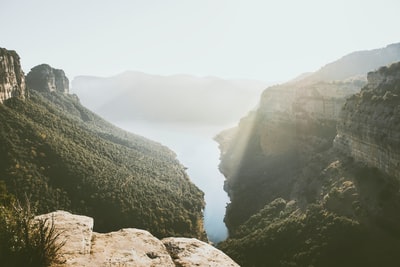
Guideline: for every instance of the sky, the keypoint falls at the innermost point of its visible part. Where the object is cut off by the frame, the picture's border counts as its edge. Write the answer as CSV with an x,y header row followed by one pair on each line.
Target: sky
x,y
242,39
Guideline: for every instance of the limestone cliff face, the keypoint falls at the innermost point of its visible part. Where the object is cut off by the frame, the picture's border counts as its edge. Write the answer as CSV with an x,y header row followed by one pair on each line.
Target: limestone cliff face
x,y
298,148
47,79
128,247
293,121
263,158
291,117
322,99
369,126
12,79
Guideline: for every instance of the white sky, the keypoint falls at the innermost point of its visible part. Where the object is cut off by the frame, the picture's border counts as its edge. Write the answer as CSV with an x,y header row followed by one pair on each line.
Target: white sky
x,y
255,39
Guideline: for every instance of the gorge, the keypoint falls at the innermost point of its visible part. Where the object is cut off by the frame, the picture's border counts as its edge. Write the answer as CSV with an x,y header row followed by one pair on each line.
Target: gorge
x,y
183,112
312,173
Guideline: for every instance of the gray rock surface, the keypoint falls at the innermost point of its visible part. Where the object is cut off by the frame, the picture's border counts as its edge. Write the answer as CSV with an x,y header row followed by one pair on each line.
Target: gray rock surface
x,y
128,247
12,79
45,78
191,252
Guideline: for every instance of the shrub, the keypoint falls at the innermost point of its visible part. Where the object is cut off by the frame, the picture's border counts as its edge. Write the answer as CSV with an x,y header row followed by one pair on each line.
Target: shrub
x,y
26,241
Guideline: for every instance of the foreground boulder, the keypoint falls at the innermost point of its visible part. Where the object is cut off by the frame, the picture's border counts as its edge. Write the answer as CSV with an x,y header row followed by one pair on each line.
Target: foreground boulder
x,y
192,252
128,247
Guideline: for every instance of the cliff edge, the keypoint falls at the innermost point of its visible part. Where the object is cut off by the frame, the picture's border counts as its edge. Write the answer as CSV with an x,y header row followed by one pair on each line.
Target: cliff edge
x,y
128,247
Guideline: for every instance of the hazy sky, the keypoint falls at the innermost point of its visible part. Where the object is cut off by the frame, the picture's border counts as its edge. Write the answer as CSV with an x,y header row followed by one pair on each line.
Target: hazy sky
x,y
256,39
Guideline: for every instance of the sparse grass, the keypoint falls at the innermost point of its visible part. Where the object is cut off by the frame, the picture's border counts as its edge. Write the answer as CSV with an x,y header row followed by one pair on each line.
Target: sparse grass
x,y
26,241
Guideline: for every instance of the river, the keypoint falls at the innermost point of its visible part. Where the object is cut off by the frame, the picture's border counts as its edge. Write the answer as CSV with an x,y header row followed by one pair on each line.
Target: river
x,y
196,150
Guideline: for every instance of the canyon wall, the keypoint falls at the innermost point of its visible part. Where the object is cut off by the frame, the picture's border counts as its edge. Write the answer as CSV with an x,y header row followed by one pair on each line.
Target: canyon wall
x,y
263,157
293,121
323,99
12,78
316,162
369,125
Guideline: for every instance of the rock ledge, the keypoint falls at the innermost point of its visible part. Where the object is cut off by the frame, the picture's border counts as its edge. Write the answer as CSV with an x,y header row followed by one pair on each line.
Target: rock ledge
x,y
128,247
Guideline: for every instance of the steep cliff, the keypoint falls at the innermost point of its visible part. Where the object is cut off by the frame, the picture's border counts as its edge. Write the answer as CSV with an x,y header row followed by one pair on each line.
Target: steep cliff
x,y
294,121
44,78
297,200
12,79
369,127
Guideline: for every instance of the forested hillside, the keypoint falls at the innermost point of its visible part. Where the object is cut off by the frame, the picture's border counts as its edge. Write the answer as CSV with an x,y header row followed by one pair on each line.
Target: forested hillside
x,y
62,156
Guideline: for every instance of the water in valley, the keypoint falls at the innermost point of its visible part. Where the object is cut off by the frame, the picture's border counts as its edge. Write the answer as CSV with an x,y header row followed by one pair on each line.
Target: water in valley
x,y
196,150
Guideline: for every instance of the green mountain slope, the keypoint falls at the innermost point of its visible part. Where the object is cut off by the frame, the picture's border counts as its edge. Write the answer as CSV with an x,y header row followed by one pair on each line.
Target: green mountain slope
x,y
62,156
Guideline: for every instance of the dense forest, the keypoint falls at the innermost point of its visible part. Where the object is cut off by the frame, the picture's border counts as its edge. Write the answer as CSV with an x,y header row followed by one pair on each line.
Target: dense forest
x,y
352,221
60,155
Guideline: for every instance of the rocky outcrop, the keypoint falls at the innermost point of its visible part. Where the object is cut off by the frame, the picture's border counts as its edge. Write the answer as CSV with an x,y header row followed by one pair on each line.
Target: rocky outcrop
x,y
75,230
369,127
127,247
322,100
188,252
12,79
44,78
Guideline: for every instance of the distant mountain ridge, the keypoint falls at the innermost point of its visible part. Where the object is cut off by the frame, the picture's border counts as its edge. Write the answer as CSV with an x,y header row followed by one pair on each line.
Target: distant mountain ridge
x,y
357,64
173,99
